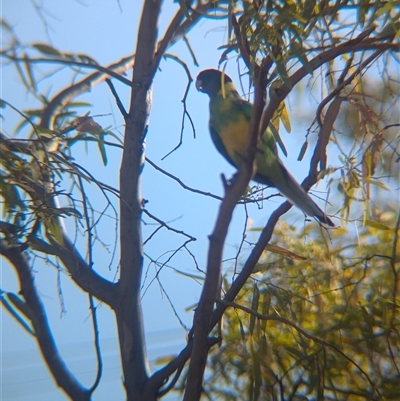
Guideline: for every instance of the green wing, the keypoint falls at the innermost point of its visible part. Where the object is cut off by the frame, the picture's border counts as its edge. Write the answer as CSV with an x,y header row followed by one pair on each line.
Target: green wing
x,y
268,141
245,107
270,170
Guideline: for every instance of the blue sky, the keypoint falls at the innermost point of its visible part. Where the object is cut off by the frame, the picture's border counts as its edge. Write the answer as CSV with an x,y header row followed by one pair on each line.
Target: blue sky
x,y
107,32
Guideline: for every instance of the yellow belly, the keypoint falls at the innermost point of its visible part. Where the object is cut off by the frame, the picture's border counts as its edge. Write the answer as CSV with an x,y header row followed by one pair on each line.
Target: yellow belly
x,y
234,137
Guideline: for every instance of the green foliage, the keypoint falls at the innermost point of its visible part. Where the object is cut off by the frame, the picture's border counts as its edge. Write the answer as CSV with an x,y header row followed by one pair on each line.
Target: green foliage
x,y
326,327
33,170
295,27
278,38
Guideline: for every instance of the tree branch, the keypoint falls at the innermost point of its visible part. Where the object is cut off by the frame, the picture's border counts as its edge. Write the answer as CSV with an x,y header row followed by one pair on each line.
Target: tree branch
x,y
64,378
129,312
87,279
68,62
177,29
91,301
356,44
319,156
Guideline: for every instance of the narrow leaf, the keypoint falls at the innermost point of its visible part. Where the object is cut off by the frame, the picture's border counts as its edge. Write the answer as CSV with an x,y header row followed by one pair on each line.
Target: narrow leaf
x,y
284,252
69,211
379,184
164,360
79,104
242,332
254,307
183,6
46,133
86,59
29,70
280,66
4,24
378,226
278,139
256,370
11,196
298,51
303,151
262,267
54,229
102,149
46,49
392,28
284,116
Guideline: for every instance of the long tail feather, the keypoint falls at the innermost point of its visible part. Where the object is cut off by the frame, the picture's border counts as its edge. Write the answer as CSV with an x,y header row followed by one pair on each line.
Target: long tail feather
x,y
297,196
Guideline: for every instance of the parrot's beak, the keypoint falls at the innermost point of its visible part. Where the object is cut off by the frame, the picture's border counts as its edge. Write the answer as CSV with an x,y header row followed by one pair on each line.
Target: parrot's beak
x,y
199,85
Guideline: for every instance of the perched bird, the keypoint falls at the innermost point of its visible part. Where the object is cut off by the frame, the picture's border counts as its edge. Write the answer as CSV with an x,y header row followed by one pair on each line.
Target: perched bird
x,y
229,127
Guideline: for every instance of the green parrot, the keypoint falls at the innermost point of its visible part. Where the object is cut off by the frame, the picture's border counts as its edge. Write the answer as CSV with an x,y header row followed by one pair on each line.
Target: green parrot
x,y
229,127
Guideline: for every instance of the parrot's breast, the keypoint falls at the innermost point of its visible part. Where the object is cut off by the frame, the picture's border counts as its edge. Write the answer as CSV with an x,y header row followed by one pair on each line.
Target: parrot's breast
x,y
234,137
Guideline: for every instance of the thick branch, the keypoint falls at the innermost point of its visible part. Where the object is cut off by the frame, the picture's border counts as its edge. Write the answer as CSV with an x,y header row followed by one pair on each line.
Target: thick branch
x,y
177,29
357,44
87,279
212,282
237,285
129,313
268,230
64,378
319,156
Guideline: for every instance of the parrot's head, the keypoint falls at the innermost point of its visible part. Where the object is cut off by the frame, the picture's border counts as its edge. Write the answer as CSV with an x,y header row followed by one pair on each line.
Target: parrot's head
x,y
210,81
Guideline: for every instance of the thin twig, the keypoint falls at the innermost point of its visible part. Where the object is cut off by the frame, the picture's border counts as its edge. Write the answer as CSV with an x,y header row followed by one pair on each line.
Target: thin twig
x,y
104,70
164,224
242,42
182,184
344,83
162,265
209,194
185,112
117,99
66,95
91,302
